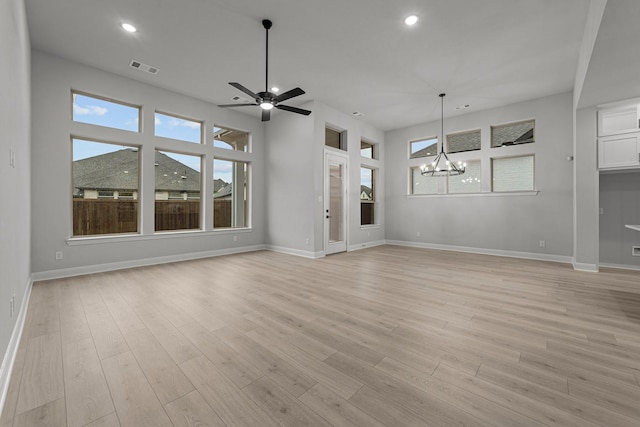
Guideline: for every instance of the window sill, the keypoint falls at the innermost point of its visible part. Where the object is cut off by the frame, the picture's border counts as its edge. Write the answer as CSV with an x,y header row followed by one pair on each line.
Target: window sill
x,y
370,227
487,194
94,240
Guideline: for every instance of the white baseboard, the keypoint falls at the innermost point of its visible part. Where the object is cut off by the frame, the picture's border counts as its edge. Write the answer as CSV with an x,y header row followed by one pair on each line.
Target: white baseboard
x,y
101,268
581,266
366,245
621,266
12,349
483,251
296,252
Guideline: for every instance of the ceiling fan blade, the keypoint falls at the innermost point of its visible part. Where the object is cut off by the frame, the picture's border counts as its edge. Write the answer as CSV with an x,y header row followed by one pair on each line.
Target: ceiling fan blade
x,y
289,94
235,105
244,89
293,109
266,115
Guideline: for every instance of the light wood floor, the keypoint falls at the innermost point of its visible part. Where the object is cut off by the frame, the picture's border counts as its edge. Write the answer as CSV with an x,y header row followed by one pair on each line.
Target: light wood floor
x,y
387,336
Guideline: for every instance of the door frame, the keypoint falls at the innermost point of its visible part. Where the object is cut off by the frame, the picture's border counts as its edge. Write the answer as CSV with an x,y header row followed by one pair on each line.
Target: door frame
x,y
343,158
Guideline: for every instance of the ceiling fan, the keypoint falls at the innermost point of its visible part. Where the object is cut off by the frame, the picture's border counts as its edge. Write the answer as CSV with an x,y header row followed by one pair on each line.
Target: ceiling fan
x,y
268,100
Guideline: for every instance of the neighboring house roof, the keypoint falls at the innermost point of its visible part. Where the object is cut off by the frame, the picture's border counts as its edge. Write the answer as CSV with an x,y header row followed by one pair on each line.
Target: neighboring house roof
x,y
119,171
365,192
430,150
225,191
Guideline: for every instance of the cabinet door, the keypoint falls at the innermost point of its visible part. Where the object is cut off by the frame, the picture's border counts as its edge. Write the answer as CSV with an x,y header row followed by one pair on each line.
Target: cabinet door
x,y
618,151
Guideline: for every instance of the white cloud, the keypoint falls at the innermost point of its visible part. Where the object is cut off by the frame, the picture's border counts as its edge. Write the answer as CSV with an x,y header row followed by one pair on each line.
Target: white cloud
x,y
158,121
174,122
89,110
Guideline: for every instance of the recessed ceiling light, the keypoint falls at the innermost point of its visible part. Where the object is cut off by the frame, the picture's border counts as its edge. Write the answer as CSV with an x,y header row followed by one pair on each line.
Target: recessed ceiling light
x,y
128,27
275,89
411,20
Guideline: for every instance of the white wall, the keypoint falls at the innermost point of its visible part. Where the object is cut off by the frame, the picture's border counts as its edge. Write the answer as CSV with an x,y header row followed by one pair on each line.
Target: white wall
x,y
52,81
620,204
487,222
295,179
15,105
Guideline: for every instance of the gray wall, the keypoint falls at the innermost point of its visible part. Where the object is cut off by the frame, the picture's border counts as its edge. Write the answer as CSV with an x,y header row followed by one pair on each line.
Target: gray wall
x,y
489,222
620,204
52,81
15,104
295,180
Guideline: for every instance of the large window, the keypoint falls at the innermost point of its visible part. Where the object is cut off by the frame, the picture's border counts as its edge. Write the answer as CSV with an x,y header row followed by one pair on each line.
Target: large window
x,y
230,139
421,184
177,191
105,112
423,148
105,188
463,141
513,173
468,182
513,133
230,207
175,127
367,195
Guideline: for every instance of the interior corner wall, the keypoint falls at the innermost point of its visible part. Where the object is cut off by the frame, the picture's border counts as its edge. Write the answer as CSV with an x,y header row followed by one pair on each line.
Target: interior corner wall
x,y
289,184
488,222
15,172
586,192
53,78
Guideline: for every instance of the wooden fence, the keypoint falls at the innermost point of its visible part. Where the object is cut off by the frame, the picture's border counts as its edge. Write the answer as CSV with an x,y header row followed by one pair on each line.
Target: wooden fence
x,y
112,216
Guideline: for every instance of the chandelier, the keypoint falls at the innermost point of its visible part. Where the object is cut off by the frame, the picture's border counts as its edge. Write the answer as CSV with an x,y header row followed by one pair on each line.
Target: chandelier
x,y
441,165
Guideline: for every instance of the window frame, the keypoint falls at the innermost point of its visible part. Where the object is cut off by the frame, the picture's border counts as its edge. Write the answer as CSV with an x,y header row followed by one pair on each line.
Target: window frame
x,y
431,138
374,199
464,132
247,199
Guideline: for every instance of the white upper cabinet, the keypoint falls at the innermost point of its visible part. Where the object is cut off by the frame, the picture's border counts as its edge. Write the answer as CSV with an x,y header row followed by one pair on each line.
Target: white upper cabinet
x,y
617,120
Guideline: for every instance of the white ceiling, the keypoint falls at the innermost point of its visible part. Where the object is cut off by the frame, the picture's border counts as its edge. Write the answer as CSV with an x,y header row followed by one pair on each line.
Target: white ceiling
x,y
353,55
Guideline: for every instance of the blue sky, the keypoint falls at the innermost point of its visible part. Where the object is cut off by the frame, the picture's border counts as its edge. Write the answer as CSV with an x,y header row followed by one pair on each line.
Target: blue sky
x,y
104,113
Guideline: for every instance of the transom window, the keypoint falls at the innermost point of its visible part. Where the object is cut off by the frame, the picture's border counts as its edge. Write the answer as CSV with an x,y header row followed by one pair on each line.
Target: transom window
x,y
99,111
368,150
175,127
230,139
335,139
423,147
513,133
463,141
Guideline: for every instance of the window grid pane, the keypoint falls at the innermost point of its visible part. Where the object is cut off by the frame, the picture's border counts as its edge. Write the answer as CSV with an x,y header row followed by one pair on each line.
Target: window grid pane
x,y
175,127
230,207
424,148
421,184
230,139
101,112
513,133
469,182
367,195
177,191
513,174
105,188
464,141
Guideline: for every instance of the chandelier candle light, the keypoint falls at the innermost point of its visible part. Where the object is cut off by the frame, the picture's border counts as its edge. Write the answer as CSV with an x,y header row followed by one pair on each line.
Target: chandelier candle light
x,y
441,166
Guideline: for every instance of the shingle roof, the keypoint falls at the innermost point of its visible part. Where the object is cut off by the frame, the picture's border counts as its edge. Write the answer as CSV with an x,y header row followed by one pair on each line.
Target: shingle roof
x,y
119,171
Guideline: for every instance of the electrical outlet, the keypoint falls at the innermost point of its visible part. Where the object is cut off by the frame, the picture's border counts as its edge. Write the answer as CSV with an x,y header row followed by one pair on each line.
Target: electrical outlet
x,y
12,157
235,238
601,211
543,243
306,241
59,255
12,305
418,234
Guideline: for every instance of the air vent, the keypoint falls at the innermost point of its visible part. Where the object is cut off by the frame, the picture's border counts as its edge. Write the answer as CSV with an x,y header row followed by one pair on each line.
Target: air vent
x,y
241,99
357,114
144,67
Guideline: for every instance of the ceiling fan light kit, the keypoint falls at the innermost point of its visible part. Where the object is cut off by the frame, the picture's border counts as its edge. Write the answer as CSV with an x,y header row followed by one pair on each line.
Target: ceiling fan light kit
x,y
269,100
